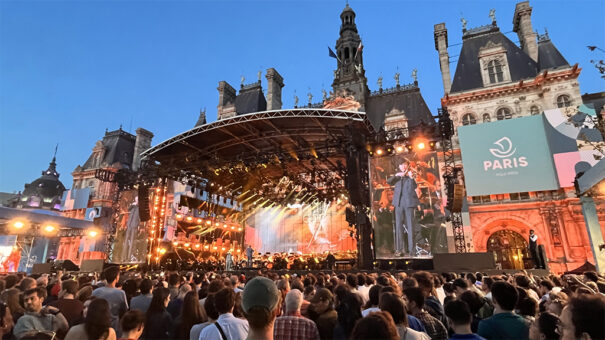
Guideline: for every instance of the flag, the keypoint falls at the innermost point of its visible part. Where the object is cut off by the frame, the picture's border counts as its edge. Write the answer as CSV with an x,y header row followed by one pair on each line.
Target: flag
x,y
332,54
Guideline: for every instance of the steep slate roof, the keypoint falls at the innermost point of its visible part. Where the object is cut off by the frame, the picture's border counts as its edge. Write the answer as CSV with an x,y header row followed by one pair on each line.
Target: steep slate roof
x,y
468,71
549,56
119,148
408,101
250,99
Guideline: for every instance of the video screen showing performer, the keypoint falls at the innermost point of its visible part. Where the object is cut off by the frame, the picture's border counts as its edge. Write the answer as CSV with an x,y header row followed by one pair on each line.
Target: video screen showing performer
x,y
408,213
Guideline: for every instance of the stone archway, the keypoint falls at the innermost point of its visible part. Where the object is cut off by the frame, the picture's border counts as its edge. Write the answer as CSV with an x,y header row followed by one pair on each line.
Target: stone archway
x,y
509,249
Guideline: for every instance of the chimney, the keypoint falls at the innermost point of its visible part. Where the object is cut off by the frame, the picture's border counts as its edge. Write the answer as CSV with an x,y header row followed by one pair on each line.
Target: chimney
x,y
522,26
440,34
142,143
226,100
275,82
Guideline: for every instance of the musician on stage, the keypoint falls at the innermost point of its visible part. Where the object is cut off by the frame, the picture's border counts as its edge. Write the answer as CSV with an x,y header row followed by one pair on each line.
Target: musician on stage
x,y
405,202
228,261
249,255
330,261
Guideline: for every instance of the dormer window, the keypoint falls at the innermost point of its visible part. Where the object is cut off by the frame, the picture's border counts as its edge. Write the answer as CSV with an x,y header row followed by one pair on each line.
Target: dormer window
x,y
534,110
486,118
494,64
494,70
503,113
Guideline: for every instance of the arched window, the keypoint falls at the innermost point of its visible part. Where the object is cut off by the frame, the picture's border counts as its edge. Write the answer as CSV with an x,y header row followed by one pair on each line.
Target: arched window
x,y
486,118
468,119
563,101
346,53
494,70
534,110
503,113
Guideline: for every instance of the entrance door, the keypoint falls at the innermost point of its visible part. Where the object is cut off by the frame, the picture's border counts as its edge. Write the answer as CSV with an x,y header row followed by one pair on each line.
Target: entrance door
x,y
509,248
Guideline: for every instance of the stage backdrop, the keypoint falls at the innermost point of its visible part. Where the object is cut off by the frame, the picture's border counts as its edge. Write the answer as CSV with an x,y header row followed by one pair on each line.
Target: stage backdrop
x,y
130,245
428,225
306,229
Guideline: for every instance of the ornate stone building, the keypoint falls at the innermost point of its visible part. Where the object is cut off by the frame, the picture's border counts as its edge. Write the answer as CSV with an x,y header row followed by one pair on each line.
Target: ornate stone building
x,y
494,80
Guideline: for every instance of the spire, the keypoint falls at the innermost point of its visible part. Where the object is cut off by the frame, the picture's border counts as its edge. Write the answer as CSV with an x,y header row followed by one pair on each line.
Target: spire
x,y
202,119
349,76
52,167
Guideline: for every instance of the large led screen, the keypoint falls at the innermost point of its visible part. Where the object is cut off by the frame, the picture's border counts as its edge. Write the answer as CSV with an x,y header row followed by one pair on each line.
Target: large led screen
x,y
507,156
408,213
309,228
130,244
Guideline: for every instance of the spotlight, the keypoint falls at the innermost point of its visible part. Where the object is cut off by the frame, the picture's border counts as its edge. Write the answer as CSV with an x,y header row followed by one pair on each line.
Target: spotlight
x,y
175,243
399,149
162,251
189,218
208,222
379,152
199,220
18,225
421,146
206,247
197,246
186,245
93,233
49,228
179,217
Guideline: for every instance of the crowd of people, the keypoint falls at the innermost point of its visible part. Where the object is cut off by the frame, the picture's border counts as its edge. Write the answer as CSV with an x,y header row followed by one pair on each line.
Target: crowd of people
x,y
325,305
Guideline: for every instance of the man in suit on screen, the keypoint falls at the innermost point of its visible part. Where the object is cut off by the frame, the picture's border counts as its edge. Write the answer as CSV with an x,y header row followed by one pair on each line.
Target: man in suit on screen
x,y
405,202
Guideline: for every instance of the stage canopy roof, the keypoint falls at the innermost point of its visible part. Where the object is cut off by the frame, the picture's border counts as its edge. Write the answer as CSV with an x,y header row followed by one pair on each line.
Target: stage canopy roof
x,y
259,149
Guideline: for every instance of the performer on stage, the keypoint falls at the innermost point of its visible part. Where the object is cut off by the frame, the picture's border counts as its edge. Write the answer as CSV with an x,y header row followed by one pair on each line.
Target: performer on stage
x,y
228,261
533,250
405,202
249,254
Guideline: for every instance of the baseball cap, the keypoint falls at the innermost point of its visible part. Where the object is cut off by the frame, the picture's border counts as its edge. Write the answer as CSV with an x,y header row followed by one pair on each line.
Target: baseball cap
x,y
260,292
322,294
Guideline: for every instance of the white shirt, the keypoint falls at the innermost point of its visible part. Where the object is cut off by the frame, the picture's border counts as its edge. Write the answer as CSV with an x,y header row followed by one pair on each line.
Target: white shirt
x,y
364,291
233,327
365,312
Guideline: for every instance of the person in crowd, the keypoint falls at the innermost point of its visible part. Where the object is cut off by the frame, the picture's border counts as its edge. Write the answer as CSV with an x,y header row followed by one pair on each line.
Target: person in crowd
x,y
293,325
261,305
504,324
372,304
11,298
72,309
235,283
212,315
460,286
459,316
27,283
114,296
132,325
141,302
556,302
394,305
377,325
363,288
544,288
283,286
349,311
6,321
158,322
97,324
416,302
321,311
522,281
545,327
191,314
583,317
226,323
174,281
431,302
38,319
176,304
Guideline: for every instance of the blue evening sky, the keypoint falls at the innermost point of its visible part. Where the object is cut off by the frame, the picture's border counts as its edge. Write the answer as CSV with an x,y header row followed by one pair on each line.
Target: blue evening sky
x,y
71,69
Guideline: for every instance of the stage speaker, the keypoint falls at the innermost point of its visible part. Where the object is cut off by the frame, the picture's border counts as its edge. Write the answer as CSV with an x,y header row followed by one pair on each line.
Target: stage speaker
x,y
458,198
92,266
466,262
66,265
144,214
42,268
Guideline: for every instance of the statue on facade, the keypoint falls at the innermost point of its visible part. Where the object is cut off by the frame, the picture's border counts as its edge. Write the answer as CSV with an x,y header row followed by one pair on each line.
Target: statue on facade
x,y
242,80
324,94
492,14
415,75
295,100
463,23
259,74
358,68
379,82
310,96
397,78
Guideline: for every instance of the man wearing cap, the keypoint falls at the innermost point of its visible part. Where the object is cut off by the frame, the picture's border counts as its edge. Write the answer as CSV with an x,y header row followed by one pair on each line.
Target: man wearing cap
x,y
261,304
322,312
293,326
227,326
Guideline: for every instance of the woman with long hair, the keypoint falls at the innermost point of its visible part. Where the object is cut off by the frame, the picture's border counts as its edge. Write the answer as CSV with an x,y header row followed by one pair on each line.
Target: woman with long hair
x,y
11,298
97,324
158,322
191,314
